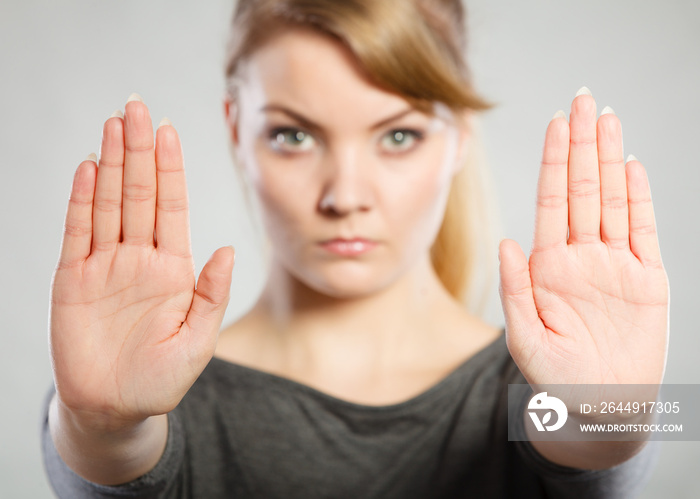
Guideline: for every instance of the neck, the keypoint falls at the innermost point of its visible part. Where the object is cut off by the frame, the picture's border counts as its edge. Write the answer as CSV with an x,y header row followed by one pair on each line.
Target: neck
x,y
387,327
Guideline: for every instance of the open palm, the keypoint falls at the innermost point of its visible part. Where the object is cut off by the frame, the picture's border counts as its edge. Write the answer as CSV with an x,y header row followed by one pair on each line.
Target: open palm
x,y
591,304
129,331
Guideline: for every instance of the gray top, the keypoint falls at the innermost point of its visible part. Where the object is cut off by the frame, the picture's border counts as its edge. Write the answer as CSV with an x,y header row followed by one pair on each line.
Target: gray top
x,y
244,433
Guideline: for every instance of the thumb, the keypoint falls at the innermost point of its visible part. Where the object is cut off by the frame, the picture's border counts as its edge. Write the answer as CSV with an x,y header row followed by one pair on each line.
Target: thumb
x,y
517,299
211,295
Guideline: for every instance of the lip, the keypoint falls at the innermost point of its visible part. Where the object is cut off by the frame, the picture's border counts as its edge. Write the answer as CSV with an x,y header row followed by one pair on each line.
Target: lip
x,y
348,247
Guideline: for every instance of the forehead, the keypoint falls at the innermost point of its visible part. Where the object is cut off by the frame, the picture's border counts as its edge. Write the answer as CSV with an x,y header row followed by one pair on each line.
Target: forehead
x,y
317,75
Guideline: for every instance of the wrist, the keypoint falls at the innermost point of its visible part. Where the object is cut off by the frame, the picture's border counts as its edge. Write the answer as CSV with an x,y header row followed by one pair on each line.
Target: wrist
x,y
105,449
569,449
93,422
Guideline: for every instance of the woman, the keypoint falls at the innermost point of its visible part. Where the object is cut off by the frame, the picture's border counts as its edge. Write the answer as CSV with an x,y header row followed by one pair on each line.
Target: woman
x,y
357,373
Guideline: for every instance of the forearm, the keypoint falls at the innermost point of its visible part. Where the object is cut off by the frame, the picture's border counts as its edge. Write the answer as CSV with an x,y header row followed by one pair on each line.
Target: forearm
x,y
108,456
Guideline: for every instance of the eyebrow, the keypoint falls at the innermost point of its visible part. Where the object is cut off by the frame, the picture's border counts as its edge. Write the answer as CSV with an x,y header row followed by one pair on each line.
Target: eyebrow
x,y
314,126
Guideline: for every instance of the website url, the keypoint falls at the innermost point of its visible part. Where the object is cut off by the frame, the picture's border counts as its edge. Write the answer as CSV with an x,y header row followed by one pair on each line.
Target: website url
x,y
631,427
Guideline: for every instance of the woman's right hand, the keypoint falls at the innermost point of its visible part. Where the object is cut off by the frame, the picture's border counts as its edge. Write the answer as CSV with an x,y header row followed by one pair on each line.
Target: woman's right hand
x,y
129,333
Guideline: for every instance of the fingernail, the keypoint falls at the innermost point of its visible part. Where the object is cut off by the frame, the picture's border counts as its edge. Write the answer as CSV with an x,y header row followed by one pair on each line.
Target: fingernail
x,y
134,96
117,114
583,91
607,110
91,157
559,114
163,122
631,157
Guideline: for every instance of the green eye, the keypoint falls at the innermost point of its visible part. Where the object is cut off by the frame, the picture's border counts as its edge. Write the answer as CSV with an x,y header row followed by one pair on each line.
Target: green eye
x,y
290,139
401,140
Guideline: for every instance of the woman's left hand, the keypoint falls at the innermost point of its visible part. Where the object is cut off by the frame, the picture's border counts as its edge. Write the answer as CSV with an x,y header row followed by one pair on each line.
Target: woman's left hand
x,y
590,306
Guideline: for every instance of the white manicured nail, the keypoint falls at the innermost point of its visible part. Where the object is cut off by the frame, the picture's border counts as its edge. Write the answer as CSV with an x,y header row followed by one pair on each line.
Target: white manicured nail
x,y
117,114
164,121
559,114
583,91
91,157
607,110
631,157
134,96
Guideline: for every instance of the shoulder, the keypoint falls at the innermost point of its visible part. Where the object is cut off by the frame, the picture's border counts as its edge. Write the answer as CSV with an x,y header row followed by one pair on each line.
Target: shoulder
x,y
460,335
241,342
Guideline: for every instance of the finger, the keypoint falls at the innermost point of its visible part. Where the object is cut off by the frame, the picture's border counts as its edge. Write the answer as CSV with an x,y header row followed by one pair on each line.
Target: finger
x,y
139,190
516,293
107,212
77,230
644,242
172,217
551,220
614,228
209,302
584,175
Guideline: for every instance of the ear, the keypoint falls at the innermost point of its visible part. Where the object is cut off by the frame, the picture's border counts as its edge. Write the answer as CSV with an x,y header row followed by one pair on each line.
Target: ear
x,y
464,139
231,114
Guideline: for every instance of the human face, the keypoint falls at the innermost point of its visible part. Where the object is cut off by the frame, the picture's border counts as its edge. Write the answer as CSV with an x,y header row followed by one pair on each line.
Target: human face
x,y
352,181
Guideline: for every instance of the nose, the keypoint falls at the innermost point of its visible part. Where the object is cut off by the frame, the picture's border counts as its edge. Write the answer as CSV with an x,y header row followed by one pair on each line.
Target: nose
x,y
347,183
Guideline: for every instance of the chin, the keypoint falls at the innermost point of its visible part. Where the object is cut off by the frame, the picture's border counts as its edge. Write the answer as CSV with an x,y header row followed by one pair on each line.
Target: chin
x,y
347,280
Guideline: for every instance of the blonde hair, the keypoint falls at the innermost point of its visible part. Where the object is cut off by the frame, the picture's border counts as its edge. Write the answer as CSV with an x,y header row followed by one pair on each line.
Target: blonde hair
x,y
413,48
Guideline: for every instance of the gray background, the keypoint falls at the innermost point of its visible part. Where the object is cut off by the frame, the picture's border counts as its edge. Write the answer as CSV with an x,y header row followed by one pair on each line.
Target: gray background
x,y
67,65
